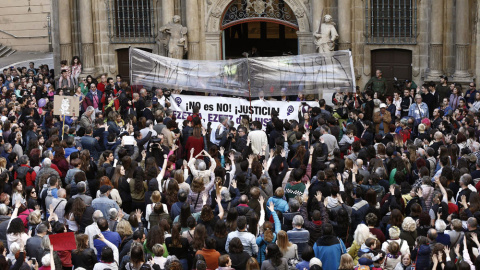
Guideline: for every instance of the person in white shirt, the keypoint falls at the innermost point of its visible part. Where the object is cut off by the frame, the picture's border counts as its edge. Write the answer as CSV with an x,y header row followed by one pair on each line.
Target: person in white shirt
x,y
93,229
257,137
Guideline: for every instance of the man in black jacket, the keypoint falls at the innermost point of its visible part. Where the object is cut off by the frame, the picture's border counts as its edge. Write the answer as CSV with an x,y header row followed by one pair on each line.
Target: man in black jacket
x,y
138,236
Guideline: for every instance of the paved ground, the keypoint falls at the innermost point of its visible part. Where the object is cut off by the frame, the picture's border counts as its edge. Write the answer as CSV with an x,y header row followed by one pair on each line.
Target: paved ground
x,y
21,59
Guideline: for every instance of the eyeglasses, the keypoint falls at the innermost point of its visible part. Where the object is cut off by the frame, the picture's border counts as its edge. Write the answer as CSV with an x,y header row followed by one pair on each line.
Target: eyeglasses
x,y
33,191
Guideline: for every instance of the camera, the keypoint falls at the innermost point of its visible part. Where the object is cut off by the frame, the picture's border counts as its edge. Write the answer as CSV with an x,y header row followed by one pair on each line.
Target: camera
x,y
155,140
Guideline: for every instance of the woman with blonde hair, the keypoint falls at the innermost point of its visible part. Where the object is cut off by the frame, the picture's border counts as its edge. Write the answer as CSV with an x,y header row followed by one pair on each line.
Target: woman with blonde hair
x,y
156,198
179,175
34,218
346,262
3,164
124,229
289,250
409,231
362,233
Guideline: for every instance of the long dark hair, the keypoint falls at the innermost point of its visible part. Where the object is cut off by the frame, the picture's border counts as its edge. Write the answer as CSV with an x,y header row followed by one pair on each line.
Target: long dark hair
x,y
176,238
155,236
184,214
220,230
138,186
16,226
274,255
199,237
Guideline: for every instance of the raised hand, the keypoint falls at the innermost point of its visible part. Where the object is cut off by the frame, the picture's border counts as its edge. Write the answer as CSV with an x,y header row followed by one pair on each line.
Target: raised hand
x,y
138,213
319,196
271,207
231,157
261,200
204,197
311,149
282,153
234,183
221,151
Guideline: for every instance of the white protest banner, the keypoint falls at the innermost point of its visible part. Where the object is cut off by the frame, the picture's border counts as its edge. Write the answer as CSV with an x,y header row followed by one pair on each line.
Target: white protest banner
x,y
212,107
269,76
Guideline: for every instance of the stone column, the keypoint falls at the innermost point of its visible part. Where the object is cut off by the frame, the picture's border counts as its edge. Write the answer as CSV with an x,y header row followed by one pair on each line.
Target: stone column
x,y
213,46
305,42
462,32
193,26
168,10
65,30
86,32
436,40
345,24
317,7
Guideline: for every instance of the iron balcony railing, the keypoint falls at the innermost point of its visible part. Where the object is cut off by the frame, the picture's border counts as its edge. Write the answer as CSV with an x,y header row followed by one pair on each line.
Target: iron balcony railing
x,y
131,21
391,21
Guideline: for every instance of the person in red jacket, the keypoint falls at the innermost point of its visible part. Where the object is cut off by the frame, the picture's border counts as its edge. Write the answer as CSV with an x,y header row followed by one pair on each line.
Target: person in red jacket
x,y
102,84
25,173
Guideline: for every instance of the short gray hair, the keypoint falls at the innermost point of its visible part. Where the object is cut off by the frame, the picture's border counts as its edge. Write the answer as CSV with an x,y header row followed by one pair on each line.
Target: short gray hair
x,y
202,166
42,228
23,159
112,213
97,215
90,108
440,225
47,163
294,205
7,146
45,242
47,154
3,209
81,187
222,119
297,220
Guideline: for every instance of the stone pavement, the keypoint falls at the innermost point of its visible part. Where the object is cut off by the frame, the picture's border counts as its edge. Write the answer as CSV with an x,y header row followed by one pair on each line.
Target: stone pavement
x,y
21,59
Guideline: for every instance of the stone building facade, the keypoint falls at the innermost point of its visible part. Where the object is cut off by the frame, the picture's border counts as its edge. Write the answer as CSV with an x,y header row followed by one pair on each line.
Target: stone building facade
x,y
407,39
25,25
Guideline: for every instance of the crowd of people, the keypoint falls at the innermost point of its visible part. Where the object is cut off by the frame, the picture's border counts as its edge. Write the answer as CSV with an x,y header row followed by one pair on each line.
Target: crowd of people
x,y
372,182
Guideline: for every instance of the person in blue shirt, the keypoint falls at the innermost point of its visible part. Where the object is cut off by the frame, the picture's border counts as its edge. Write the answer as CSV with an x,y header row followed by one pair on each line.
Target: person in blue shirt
x,y
112,237
418,110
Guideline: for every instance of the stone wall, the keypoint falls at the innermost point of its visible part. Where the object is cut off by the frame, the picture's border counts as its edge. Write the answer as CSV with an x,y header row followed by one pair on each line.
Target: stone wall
x,y
23,24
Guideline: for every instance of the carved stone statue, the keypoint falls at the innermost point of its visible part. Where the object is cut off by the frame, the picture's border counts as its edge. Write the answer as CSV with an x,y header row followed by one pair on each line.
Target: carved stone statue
x,y
176,42
326,36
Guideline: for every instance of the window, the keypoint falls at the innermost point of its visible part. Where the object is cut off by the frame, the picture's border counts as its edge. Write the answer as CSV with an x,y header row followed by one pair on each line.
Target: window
x,y
391,21
131,21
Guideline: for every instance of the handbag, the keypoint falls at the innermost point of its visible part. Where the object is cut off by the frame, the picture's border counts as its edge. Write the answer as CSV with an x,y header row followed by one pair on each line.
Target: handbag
x,y
292,262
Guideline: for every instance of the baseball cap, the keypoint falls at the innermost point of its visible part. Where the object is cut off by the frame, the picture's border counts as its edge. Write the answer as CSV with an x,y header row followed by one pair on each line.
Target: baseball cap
x,y
383,105
104,189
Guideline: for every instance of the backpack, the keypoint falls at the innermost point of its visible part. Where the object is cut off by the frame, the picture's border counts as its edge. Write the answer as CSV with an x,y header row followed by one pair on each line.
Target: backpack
x,y
154,219
22,173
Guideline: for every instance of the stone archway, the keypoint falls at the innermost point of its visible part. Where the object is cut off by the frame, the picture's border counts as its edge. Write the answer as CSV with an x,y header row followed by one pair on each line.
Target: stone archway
x,y
216,10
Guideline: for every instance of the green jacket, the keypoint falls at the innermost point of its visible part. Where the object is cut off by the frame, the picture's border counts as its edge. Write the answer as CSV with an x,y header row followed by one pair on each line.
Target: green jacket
x,y
378,85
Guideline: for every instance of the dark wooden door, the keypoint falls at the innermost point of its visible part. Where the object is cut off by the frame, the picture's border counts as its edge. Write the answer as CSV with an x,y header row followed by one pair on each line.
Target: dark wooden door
x,y
124,63
393,63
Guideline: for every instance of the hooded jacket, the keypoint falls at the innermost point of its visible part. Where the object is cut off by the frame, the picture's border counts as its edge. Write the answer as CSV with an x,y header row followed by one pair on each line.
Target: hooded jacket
x,y
329,249
421,256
